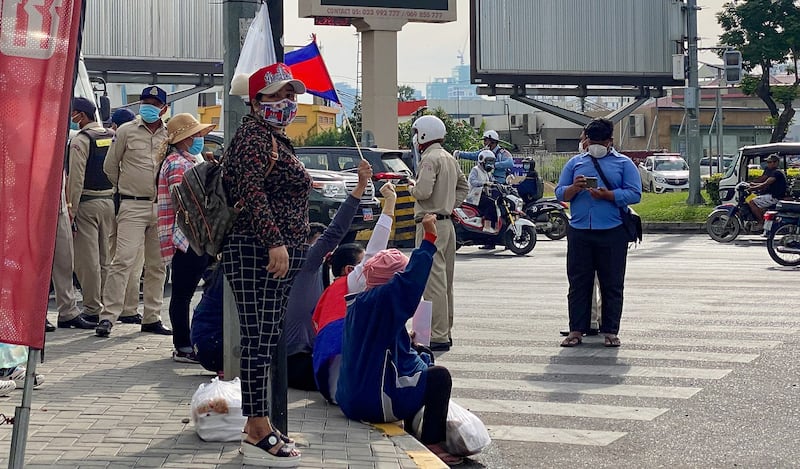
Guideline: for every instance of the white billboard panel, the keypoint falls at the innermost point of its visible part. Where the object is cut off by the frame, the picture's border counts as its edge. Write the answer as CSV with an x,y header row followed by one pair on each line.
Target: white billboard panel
x,y
575,42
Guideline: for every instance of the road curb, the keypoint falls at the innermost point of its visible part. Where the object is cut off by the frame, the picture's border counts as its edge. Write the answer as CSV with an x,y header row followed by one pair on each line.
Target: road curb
x,y
673,227
415,450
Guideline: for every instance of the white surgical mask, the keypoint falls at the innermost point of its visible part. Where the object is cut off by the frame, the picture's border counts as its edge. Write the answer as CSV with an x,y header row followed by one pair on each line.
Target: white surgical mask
x,y
598,151
580,147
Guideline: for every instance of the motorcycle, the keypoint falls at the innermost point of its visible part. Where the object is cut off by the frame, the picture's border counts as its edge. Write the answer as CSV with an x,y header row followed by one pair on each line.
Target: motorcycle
x,y
513,229
783,233
549,215
727,221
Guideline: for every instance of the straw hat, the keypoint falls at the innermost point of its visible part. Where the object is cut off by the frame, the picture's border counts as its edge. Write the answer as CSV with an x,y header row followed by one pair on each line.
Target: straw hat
x,y
184,125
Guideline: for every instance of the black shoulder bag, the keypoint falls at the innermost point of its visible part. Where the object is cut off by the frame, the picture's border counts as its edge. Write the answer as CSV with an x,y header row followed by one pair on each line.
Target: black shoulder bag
x,y
631,220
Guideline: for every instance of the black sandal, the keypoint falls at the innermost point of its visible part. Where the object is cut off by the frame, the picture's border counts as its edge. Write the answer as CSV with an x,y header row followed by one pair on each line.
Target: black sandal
x,y
270,451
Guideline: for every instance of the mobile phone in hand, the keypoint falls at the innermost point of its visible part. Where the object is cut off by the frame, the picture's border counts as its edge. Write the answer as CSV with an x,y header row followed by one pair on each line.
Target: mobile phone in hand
x,y
591,182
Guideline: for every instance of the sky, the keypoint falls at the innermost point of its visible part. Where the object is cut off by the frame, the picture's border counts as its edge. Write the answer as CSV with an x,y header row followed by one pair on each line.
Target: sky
x,y
426,50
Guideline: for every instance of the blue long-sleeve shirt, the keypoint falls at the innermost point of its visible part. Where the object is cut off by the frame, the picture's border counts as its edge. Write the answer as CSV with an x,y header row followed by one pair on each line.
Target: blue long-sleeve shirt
x,y
382,379
597,214
307,286
503,161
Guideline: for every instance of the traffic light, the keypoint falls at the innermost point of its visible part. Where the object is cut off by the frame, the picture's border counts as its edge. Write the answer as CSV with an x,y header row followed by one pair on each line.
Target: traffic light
x,y
733,66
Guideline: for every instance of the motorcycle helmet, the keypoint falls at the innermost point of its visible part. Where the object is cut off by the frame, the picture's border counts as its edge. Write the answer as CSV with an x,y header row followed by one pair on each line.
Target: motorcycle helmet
x,y
491,135
428,129
487,159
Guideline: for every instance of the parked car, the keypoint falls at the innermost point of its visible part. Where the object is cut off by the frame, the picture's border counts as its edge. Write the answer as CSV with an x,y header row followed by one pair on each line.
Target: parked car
x,y
330,190
664,173
713,162
347,158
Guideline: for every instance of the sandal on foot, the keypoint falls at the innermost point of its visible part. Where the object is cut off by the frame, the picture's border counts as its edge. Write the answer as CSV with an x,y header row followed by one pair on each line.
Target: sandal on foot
x,y
571,341
270,452
446,457
611,341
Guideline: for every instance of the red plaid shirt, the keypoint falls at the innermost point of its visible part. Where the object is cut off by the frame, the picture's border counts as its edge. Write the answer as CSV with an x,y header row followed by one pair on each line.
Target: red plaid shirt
x,y
171,174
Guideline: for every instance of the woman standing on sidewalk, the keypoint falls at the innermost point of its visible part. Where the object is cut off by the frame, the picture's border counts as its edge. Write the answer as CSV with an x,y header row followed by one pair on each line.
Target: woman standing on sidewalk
x,y
266,246
185,136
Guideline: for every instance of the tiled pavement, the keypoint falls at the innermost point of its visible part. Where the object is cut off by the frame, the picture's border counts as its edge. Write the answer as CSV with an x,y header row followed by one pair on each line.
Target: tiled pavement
x,y
122,402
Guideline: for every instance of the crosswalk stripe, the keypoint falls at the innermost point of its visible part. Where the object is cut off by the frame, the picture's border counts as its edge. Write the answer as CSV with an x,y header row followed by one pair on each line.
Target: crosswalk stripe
x,y
567,436
593,352
632,340
633,390
515,325
594,370
561,409
522,311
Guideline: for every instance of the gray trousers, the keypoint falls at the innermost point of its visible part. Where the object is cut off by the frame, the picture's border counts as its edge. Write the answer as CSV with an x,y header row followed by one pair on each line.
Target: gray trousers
x,y
62,270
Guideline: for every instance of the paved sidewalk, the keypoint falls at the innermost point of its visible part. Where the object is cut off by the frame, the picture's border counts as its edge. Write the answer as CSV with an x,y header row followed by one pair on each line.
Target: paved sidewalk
x,y
122,402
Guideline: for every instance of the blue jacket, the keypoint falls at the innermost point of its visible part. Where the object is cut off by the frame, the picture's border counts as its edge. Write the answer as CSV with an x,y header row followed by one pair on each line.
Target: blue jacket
x,y
382,378
595,214
504,161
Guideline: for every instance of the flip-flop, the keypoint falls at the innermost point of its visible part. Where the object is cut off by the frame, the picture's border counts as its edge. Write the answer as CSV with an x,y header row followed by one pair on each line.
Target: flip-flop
x,y
447,458
611,341
571,341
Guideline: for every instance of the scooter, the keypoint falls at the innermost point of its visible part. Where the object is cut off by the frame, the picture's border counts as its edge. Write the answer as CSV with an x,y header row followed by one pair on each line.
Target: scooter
x,y
728,220
549,215
782,227
513,229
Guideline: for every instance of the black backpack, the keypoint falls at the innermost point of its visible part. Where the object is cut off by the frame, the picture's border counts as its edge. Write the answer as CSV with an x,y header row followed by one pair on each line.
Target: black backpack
x,y
202,211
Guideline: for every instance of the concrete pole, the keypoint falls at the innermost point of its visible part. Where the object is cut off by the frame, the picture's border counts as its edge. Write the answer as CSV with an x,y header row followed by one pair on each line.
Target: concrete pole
x,y
236,17
379,69
692,104
720,152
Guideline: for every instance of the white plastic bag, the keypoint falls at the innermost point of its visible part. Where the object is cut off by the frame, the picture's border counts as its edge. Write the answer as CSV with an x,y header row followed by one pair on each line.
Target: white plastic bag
x,y
466,434
217,410
257,52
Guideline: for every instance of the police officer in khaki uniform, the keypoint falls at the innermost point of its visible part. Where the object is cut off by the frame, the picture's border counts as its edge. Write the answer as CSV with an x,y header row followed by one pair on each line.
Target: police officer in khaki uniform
x,y
440,187
61,276
132,165
91,209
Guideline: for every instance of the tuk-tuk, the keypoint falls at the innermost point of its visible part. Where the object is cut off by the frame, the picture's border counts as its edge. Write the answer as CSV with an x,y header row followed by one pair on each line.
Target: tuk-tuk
x,y
750,163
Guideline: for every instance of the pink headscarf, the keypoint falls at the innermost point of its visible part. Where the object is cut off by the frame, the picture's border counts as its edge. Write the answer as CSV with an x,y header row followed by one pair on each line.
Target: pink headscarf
x,y
380,268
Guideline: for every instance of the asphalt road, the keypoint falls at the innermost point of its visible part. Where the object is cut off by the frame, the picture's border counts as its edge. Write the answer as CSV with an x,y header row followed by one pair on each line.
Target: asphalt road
x,y
707,375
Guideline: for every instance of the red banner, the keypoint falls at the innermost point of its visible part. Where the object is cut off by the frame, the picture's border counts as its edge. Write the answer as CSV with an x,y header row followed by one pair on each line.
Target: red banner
x,y
38,46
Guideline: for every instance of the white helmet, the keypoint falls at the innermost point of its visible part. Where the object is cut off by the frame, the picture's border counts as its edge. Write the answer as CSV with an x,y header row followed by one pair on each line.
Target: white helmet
x,y
492,135
486,155
428,129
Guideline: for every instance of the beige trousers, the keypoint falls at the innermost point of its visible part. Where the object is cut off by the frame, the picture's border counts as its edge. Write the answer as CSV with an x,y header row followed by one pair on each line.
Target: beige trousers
x,y
439,289
136,227
62,270
94,222
131,306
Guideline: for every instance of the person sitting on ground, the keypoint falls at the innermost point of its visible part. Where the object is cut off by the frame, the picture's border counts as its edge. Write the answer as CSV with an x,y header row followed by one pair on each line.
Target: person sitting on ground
x,y
771,186
382,377
308,286
347,264
479,177
504,161
206,331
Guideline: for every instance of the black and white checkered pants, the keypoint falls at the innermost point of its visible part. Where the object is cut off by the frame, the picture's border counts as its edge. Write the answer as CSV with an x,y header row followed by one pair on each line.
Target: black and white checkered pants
x,y
261,301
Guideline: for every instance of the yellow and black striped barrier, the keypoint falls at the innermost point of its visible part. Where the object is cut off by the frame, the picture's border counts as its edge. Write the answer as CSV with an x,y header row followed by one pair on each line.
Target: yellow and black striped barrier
x,y
403,229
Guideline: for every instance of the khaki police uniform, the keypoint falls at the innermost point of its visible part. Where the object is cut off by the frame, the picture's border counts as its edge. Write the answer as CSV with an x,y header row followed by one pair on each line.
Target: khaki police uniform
x,y
441,187
131,165
62,263
93,215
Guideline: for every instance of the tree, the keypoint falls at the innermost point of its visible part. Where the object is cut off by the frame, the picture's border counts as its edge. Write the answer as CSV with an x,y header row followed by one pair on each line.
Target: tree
x,y
405,93
460,136
766,32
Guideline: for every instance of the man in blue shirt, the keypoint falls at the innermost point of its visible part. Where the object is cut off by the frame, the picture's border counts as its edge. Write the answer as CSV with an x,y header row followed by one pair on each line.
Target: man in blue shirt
x,y
597,243
503,159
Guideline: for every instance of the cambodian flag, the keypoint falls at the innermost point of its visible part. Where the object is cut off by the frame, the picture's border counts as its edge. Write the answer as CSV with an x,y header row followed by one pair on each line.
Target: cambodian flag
x,y
307,66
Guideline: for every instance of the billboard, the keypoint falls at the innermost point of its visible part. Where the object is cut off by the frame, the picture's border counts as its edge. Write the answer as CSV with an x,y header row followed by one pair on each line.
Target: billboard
x,y
419,11
575,42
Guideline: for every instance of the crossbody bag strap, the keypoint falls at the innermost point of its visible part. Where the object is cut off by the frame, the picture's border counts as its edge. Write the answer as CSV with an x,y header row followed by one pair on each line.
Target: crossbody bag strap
x,y
622,211
602,175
